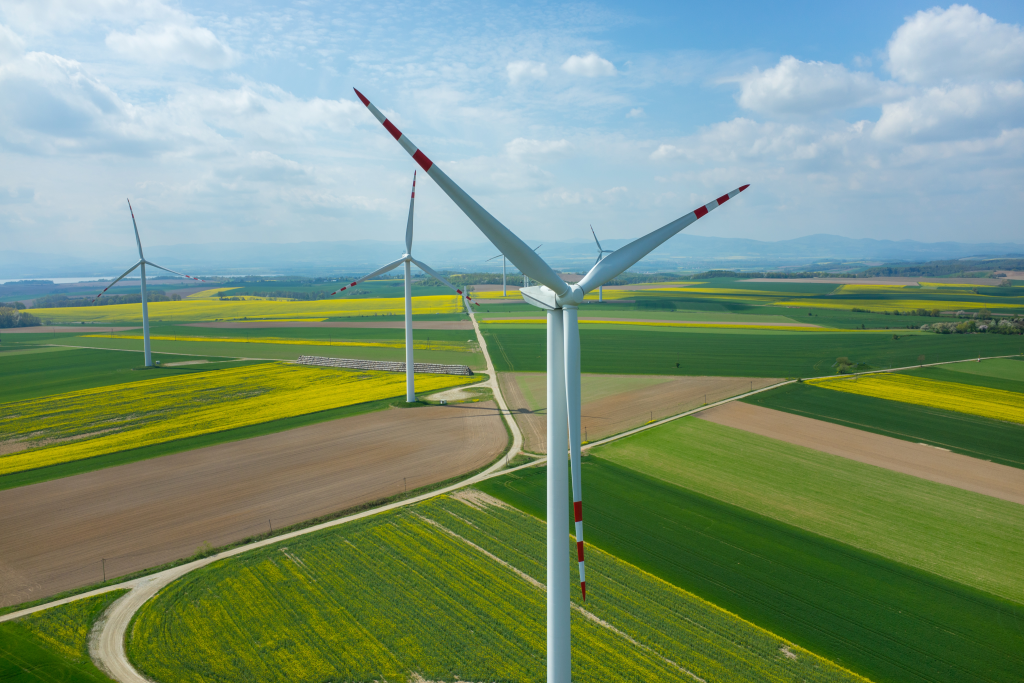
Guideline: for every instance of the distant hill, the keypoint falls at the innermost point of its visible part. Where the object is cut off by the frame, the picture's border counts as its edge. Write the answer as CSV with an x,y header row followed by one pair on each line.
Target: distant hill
x,y
350,257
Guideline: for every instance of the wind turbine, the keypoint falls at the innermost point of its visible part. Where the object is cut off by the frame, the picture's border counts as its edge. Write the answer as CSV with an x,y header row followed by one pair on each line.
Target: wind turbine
x,y
141,263
601,251
526,281
408,260
561,301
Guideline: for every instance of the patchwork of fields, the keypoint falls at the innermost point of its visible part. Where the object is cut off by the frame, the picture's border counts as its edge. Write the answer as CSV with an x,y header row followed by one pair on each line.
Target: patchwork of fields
x,y
91,422
450,589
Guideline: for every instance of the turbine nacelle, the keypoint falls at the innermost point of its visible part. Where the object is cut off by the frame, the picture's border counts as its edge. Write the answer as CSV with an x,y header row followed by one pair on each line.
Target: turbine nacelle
x,y
544,297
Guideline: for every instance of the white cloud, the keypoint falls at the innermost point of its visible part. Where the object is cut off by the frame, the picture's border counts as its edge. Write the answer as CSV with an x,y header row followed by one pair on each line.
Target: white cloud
x,y
589,66
635,113
35,17
526,70
796,87
11,45
521,147
173,43
958,43
956,112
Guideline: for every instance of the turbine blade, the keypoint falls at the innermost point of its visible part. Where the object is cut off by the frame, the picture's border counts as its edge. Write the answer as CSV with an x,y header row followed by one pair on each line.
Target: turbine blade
x,y
121,277
408,226
136,226
538,247
494,257
504,239
433,273
571,340
626,256
379,271
175,272
599,247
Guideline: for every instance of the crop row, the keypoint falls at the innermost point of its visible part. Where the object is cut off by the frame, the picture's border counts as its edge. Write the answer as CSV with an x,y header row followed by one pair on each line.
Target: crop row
x,y
91,422
419,346
962,398
447,590
212,309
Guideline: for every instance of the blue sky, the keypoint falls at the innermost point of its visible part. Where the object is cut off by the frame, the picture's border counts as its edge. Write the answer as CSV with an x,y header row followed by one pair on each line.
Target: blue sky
x,y
236,121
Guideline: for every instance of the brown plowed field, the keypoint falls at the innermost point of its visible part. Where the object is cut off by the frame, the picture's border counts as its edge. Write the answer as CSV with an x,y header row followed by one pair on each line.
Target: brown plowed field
x,y
50,329
54,535
616,403
919,460
396,324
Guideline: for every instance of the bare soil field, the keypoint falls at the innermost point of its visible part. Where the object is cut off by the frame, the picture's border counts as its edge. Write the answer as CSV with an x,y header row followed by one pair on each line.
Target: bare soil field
x,y
398,324
919,460
616,403
56,535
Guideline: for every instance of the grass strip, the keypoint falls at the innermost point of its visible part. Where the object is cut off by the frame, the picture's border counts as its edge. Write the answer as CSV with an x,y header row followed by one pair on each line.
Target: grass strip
x,y
884,620
978,437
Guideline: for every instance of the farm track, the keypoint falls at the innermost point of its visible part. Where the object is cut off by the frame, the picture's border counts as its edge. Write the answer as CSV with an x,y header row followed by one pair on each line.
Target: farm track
x,y
108,645
919,460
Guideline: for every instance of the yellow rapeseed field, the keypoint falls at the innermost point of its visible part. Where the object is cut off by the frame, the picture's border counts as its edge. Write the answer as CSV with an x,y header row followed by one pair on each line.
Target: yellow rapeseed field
x,y
213,309
91,422
633,323
879,305
419,346
962,398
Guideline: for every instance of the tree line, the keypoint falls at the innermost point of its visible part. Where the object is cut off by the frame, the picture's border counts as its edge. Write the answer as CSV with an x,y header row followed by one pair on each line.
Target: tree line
x,y
64,301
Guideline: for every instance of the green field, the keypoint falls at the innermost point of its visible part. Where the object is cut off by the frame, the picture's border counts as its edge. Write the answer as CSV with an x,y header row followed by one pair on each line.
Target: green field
x,y
964,536
52,645
884,620
972,435
735,353
312,333
33,375
281,351
447,590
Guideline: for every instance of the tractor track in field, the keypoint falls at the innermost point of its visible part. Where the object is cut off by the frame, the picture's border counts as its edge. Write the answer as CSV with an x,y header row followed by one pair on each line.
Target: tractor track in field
x,y
107,641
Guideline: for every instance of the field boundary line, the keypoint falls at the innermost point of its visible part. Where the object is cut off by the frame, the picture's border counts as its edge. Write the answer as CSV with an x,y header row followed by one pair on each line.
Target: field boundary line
x,y
694,411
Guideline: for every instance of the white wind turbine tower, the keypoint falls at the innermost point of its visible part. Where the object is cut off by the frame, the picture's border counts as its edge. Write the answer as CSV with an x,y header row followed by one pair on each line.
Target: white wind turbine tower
x,y
142,263
601,251
408,260
561,301
526,280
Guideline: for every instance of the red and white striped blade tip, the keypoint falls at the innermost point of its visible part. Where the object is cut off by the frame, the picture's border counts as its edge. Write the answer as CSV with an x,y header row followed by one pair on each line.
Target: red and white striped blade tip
x,y
583,587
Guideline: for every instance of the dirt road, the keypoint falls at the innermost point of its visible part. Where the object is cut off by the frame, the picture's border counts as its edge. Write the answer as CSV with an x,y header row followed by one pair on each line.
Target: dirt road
x,y
919,460
56,535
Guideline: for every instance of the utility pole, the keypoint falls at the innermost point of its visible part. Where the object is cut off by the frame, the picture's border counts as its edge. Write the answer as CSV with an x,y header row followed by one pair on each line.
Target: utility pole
x,y
104,561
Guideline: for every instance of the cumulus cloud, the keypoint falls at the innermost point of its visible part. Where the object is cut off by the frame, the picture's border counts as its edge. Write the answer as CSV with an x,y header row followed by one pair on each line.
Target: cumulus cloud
x,y
793,86
635,113
958,43
956,112
175,44
11,45
589,66
526,70
521,147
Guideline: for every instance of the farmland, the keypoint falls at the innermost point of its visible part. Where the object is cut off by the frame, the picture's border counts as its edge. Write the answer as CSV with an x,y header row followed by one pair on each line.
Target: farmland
x,y
349,604
615,403
960,535
52,645
191,310
59,370
736,353
92,422
996,404
971,435
884,620
70,532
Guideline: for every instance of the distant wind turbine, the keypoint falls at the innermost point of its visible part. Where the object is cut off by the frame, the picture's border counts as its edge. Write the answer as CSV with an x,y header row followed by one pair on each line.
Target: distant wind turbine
x,y
561,301
141,263
601,251
408,260
526,280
